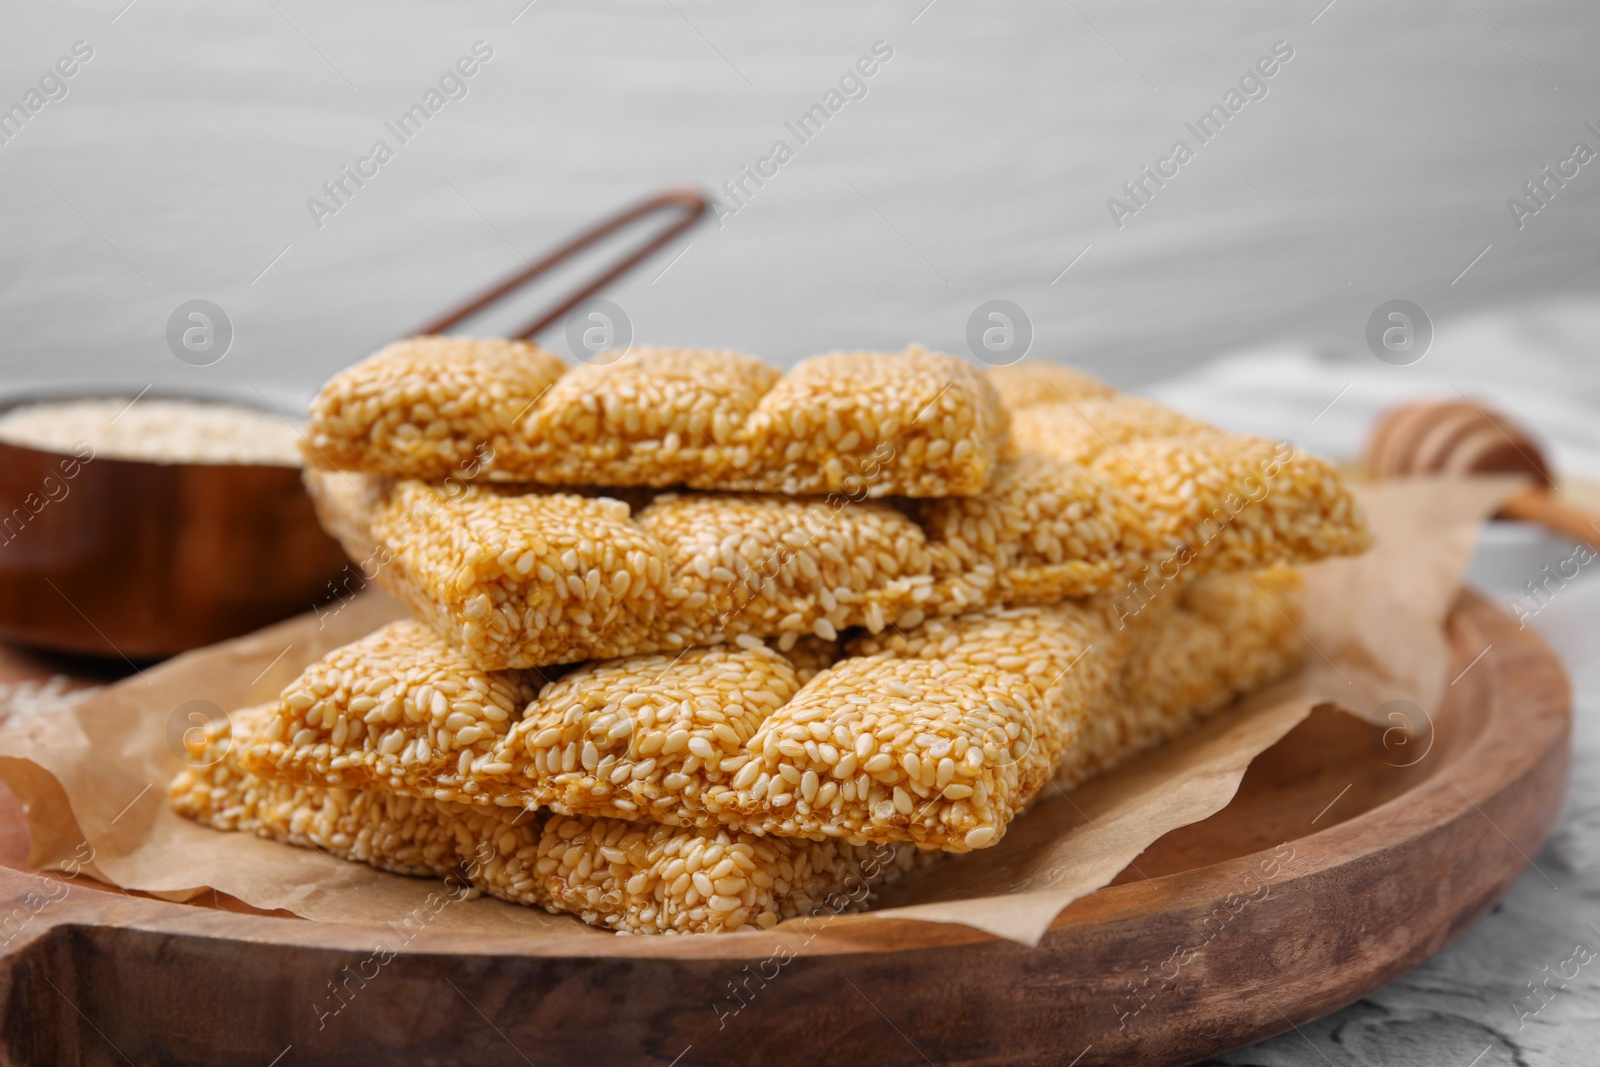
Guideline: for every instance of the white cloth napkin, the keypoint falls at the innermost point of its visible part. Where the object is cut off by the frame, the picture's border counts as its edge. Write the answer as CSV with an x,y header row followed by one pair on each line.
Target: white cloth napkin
x,y
1540,365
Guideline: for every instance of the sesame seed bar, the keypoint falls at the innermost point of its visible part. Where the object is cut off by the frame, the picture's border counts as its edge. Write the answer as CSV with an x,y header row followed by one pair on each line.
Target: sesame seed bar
x,y
1232,634
914,423
937,736
1080,429
636,877
1225,502
519,577
1022,385
429,407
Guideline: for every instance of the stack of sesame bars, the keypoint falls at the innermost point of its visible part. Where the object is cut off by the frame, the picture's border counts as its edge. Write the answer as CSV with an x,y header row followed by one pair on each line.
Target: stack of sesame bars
x,y
699,643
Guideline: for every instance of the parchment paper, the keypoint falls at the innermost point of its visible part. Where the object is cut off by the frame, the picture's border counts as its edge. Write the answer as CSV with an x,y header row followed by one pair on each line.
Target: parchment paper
x,y
97,772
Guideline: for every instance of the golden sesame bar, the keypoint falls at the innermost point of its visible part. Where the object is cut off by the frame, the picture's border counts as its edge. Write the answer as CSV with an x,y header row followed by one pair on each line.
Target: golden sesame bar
x,y
429,407
653,417
936,736
1175,660
405,674
1037,382
1043,531
518,577
636,877
525,579
1078,430
913,423
1230,503
1231,634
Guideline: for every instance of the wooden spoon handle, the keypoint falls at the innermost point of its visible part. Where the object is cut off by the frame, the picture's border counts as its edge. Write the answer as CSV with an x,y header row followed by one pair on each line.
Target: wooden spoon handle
x,y
1541,506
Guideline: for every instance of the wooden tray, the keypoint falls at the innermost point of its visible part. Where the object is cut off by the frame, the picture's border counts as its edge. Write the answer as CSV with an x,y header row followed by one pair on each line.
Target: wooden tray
x,y
1390,863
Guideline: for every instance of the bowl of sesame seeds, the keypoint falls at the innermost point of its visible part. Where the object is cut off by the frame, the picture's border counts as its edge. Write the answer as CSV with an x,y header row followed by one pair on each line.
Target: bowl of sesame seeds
x,y
140,525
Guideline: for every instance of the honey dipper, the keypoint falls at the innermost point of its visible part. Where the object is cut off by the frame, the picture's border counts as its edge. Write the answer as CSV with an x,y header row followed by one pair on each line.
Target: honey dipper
x,y
1462,437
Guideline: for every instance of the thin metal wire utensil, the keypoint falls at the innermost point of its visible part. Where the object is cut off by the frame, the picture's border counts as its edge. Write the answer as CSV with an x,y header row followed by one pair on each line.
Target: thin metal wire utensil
x,y
688,204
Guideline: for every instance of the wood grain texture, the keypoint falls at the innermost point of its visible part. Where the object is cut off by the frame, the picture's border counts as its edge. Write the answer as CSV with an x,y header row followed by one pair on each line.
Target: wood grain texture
x,y
1383,874
1551,511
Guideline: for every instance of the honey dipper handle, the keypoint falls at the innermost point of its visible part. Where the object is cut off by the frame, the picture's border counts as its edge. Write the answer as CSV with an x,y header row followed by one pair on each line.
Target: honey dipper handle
x,y
1541,506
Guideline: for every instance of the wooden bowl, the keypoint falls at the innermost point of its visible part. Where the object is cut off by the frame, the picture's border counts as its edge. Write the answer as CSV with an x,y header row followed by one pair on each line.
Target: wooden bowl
x,y
1395,851
139,560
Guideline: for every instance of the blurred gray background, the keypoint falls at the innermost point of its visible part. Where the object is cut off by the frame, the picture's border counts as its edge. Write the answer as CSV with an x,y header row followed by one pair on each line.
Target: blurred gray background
x,y
978,165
